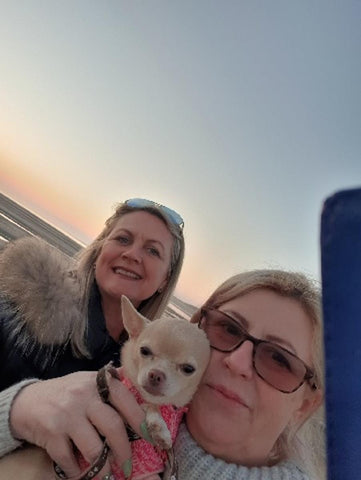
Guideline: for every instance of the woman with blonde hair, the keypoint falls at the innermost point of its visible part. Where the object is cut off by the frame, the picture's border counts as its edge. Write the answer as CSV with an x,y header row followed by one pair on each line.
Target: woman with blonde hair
x,y
60,315
257,413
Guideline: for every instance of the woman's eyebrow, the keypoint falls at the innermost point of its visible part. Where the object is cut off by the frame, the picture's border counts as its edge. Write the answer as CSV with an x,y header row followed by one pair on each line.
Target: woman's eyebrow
x,y
282,342
129,232
236,316
119,230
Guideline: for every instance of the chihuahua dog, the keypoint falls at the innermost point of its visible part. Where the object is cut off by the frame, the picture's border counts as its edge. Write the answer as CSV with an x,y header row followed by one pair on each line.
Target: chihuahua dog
x,y
163,362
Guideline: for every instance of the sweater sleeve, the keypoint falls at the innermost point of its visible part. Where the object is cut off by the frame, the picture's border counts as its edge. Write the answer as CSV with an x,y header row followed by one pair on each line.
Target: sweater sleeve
x,y
7,441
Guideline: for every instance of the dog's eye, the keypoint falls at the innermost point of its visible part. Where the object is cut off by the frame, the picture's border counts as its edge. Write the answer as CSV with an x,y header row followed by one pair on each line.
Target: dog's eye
x,y
187,369
145,351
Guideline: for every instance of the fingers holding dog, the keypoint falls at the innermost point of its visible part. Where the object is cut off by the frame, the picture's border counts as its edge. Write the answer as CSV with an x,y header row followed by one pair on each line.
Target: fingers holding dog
x,y
54,415
109,423
60,413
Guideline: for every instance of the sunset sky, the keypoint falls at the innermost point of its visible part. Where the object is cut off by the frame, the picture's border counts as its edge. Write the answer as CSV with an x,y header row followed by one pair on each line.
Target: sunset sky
x,y
241,115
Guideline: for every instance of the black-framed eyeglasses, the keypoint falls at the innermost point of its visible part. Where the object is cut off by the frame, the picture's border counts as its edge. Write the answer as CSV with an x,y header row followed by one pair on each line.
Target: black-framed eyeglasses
x,y
173,216
277,366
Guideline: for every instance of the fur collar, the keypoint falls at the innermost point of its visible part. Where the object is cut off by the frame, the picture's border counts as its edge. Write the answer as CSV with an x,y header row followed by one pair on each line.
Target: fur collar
x,y
37,286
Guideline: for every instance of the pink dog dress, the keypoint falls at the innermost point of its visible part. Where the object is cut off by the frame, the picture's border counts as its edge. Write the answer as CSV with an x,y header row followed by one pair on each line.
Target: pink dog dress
x,y
147,459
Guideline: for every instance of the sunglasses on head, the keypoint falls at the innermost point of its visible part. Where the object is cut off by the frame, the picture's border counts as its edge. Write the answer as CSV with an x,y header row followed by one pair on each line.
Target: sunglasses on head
x,y
173,216
280,368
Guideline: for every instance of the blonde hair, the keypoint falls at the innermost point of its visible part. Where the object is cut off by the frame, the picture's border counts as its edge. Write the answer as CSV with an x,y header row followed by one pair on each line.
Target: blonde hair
x,y
305,443
152,307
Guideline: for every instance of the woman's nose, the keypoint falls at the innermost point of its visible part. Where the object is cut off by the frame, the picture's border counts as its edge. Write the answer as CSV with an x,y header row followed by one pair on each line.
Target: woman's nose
x,y
133,252
240,361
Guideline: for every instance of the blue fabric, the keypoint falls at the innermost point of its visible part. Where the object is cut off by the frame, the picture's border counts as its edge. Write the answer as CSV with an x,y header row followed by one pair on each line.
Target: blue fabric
x,y
341,290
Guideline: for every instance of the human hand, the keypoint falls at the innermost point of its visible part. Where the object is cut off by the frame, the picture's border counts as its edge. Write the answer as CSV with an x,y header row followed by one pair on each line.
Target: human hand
x,y
59,413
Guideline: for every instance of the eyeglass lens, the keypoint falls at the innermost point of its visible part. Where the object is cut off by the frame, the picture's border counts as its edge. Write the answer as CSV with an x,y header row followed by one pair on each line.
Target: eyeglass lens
x,y
274,364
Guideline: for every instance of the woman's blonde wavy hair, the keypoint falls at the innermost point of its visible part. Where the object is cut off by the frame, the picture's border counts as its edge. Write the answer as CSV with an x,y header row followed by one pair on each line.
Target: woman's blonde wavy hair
x,y
152,307
304,443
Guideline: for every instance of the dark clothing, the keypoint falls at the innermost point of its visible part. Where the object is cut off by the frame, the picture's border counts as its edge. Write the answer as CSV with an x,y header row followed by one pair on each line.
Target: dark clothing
x,y
17,362
41,316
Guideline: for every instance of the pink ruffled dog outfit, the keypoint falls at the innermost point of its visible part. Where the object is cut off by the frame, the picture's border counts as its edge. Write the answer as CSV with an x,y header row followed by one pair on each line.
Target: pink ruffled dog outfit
x,y
146,458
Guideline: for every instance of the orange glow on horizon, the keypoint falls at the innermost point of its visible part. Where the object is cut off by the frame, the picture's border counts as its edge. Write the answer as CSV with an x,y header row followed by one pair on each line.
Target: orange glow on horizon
x,y
46,201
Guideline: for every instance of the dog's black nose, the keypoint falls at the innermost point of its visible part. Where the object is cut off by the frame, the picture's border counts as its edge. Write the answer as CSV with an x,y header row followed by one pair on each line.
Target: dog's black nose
x,y
156,377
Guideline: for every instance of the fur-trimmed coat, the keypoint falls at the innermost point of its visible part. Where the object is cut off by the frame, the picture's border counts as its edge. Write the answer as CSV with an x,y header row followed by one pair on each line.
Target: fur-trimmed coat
x,y
40,308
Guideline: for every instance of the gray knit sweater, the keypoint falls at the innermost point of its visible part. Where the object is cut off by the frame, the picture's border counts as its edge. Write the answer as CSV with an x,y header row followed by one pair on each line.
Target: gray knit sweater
x,y
195,464
7,441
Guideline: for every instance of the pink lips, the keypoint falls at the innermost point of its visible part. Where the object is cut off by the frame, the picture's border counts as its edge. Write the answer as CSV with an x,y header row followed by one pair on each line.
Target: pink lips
x,y
126,272
229,394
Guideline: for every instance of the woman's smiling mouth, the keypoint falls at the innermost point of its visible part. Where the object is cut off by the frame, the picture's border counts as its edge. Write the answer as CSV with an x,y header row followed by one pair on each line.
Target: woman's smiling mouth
x,y
126,273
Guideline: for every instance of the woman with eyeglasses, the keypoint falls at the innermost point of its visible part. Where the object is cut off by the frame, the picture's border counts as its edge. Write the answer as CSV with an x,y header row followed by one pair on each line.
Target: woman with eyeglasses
x,y
256,414
60,315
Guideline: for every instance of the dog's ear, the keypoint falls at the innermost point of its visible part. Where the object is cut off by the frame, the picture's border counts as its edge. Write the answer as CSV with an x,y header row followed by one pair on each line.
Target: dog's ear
x,y
133,321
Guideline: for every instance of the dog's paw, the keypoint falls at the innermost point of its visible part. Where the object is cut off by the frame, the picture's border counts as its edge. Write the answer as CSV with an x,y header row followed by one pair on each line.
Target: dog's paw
x,y
158,430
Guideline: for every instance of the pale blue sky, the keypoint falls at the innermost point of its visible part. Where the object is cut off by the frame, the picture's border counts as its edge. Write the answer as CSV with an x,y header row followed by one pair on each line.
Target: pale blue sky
x,y
241,115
